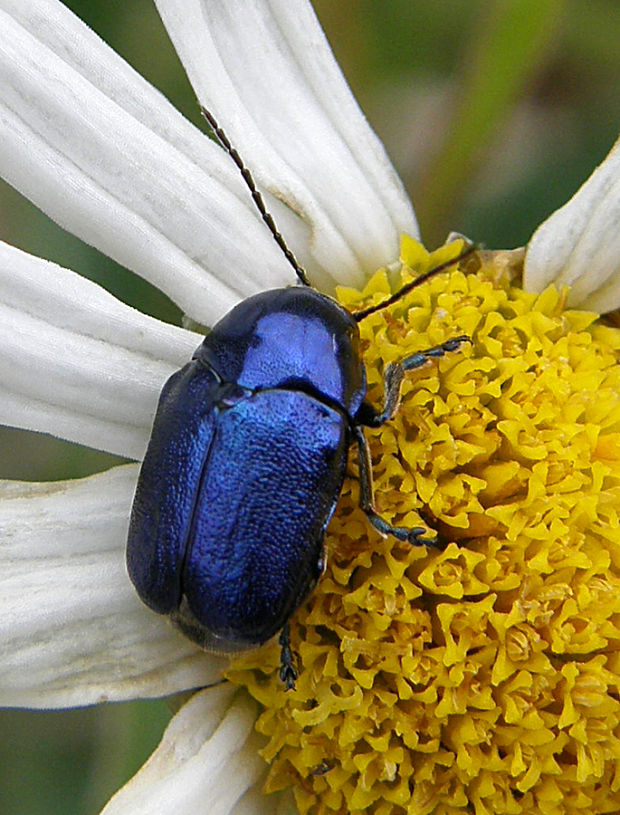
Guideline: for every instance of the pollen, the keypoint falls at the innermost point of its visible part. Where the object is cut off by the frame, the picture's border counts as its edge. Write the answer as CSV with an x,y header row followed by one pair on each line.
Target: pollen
x,y
483,675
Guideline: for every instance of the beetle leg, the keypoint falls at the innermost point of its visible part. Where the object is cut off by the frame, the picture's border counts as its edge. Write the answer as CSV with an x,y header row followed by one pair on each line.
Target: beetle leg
x,y
367,501
393,377
288,671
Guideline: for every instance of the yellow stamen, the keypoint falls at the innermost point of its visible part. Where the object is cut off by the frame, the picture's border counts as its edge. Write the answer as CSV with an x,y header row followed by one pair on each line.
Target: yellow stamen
x,y
484,677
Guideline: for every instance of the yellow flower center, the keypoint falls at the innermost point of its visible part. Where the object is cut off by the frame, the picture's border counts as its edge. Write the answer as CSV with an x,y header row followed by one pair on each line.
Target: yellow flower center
x,y
482,677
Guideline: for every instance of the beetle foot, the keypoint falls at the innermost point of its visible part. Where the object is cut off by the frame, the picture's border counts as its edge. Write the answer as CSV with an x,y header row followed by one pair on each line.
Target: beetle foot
x,y
414,536
288,671
288,675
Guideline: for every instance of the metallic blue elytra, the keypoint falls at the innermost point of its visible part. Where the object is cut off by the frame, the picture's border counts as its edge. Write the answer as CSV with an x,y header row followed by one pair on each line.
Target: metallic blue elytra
x,y
244,468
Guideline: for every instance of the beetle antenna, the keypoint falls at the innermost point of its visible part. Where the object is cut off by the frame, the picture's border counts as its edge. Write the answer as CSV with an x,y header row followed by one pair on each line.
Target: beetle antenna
x,y
301,273
358,316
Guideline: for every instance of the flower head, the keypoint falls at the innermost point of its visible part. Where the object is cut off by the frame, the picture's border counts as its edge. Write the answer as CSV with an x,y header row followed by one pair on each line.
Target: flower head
x,y
484,673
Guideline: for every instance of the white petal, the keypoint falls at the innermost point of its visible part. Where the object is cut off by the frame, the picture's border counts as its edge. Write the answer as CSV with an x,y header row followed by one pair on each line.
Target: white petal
x,y
72,629
76,362
265,70
107,157
579,245
207,759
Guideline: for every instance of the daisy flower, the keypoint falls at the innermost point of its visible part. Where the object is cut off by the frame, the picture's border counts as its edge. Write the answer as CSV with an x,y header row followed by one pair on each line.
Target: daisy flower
x,y
481,676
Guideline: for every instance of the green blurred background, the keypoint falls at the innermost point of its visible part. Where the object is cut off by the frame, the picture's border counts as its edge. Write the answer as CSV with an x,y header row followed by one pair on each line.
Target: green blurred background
x,y
493,113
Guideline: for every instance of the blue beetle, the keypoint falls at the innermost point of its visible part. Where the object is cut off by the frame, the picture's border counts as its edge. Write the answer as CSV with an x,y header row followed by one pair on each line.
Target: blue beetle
x,y
247,459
